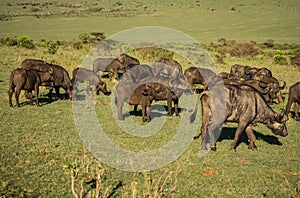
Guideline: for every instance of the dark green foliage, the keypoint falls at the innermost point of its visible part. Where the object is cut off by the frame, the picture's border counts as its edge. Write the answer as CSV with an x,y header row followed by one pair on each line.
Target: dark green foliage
x,y
7,41
25,41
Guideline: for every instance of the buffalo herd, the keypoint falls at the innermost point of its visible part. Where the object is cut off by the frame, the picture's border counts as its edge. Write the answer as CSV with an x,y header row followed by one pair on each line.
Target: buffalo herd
x,y
243,95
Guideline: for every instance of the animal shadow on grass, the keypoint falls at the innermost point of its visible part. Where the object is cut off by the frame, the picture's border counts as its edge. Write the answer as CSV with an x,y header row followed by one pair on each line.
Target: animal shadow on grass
x,y
228,134
156,111
42,101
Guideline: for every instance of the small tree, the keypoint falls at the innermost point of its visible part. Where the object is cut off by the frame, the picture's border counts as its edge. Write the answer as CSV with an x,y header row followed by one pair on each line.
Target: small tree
x,y
25,41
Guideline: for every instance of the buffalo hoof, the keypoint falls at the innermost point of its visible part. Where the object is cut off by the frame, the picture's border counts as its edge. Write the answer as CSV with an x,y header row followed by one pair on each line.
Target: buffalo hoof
x,y
233,149
213,148
253,147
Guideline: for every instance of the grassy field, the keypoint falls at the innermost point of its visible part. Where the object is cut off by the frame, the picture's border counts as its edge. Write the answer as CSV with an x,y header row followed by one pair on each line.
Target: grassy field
x,y
41,150
205,21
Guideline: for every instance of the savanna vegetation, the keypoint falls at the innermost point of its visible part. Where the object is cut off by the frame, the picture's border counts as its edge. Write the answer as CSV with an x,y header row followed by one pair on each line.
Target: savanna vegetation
x,y
42,154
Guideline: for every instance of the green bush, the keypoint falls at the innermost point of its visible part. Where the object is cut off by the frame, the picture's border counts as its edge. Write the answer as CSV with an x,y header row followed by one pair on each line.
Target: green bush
x,y
280,59
53,46
25,41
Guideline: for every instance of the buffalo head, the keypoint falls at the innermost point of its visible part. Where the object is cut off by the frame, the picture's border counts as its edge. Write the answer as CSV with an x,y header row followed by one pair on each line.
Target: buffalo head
x,y
277,124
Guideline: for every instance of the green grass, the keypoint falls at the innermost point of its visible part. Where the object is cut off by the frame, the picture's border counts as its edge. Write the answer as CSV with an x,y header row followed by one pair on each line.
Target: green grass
x,y
254,20
39,146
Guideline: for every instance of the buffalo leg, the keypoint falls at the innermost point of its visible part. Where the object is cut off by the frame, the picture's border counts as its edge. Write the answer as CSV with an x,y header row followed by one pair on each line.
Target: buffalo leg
x,y
36,91
17,94
148,113
238,132
176,107
10,93
288,105
29,95
169,104
119,108
50,93
57,92
251,137
296,109
144,111
135,108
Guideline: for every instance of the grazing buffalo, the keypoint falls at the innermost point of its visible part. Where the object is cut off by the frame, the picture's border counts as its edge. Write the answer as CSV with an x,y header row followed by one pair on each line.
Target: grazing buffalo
x,y
84,75
294,97
174,64
61,77
198,75
111,65
21,79
134,94
128,61
240,104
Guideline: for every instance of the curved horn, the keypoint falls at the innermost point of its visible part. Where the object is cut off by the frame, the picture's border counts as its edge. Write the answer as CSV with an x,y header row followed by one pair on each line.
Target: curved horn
x,y
256,85
263,85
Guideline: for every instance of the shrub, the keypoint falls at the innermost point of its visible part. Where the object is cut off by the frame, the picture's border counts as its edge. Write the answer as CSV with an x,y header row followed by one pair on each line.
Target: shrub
x,y
25,41
280,59
9,41
53,46
245,49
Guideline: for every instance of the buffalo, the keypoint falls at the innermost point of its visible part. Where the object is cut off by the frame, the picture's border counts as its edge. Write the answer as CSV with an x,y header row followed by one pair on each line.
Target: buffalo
x,y
110,65
198,75
21,79
84,75
128,61
238,71
61,77
241,104
137,73
294,97
169,62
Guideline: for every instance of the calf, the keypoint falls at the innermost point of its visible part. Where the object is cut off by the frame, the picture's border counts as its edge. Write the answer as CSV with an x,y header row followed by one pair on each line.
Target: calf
x,y
128,61
294,97
134,94
240,104
81,75
21,79
161,92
